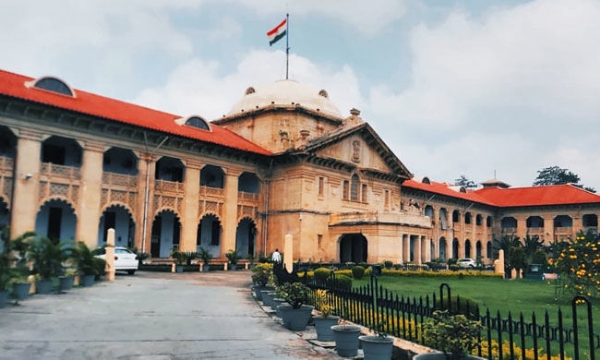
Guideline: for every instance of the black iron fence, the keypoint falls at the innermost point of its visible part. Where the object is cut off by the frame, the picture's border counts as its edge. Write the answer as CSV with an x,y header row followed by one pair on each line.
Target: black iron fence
x,y
508,337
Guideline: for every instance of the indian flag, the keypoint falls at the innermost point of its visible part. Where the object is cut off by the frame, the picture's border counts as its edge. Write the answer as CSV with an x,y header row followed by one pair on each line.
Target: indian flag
x,y
277,32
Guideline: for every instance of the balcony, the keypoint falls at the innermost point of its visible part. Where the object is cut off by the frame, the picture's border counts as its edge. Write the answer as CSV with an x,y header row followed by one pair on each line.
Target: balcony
x,y
168,186
54,171
212,192
403,218
533,231
110,180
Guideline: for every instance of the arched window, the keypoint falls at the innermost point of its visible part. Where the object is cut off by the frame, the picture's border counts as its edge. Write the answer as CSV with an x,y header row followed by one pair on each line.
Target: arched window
x,y
53,84
197,122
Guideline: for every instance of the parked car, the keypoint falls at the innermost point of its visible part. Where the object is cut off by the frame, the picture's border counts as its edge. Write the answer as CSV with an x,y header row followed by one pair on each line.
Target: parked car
x,y
125,259
467,263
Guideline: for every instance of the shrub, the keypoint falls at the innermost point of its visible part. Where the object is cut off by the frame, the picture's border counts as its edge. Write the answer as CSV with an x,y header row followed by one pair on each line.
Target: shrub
x,y
358,272
454,267
321,274
388,264
261,273
452,334
344,282
295,293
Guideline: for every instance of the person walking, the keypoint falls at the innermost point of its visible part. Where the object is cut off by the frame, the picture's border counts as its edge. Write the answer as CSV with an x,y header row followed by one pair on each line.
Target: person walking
x,y
276,257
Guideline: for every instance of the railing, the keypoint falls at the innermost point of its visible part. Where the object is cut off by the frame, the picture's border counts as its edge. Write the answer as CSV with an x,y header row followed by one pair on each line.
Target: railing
x,y
113,179
207,191
565,230
404,218
60,171
404,316
6,164
165,185
245,196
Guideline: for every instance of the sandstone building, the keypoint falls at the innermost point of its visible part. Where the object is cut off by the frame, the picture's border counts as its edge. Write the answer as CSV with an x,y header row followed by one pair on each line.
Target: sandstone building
x,y
284,160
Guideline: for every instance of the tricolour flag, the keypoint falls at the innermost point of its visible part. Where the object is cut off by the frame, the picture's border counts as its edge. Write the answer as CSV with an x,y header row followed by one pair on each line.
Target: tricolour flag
x,y
277,32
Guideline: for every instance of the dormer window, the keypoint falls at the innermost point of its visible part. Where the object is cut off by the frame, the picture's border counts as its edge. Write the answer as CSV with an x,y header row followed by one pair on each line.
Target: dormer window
x,y
55,85
194,121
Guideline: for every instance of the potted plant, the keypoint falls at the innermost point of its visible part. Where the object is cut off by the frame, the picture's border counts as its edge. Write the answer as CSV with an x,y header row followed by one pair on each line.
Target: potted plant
x,y
261,274
455,335
19,247
346,339
6,275
325,320
295,314
48,256
232,257
87,265
206,257
378,346
180,258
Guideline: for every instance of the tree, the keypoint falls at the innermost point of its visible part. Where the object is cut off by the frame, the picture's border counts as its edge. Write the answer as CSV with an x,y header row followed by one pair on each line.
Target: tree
x,y
555,175
464,182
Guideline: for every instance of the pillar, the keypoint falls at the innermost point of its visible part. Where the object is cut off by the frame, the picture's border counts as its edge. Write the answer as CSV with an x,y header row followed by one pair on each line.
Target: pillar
x,y
288,251
189,217
145,215
110,255
25,201
230,212
90,193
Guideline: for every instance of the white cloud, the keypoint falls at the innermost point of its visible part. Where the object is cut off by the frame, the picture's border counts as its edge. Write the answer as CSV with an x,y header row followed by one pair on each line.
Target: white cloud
x,y
531,69
196,87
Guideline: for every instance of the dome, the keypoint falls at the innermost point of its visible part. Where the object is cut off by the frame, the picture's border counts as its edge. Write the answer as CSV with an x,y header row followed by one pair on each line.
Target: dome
x,y
285,93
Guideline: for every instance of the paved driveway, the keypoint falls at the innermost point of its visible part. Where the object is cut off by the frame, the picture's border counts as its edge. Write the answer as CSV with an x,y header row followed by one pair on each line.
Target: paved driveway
x,y
151,316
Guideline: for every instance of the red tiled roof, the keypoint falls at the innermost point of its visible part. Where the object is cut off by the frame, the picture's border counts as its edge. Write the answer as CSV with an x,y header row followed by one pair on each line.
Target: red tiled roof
x,y
86,103
538,195
444,189
512,197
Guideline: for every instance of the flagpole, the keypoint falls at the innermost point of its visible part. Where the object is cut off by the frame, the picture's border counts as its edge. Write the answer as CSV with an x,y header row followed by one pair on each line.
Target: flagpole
x,y
287,44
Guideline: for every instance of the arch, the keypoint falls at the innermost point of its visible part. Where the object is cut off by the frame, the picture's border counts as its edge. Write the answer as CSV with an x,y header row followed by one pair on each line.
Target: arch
x,y
509,223
426,180
52,83
489,250
212,176
208,234
353,248
589,220
489,221
61,151
170,169
563,221
120,161
455,216
455,246
428,211
467,248
194,121
248,182
120,218
467,217
4,217
478,220
478,250
56,219
8,143
443,216
245,237
534,222
443,248
165,234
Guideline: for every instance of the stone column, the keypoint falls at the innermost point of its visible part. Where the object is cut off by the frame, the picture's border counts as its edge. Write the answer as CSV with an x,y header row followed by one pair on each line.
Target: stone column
x,y
417,249
229,220
25,201
427,244
401,250
145,215
90,193
288,251
110,255
189,217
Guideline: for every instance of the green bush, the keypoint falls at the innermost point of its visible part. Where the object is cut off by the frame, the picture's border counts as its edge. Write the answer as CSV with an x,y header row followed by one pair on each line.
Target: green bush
x,y
344,282
358,272
454,267
321,274
388,264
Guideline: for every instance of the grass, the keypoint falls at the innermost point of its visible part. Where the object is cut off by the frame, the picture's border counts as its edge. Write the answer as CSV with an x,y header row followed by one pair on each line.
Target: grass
x,y
496,294
514,296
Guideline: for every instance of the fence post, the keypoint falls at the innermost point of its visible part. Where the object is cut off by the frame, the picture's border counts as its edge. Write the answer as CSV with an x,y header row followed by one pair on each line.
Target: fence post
x,y
590,326
448,292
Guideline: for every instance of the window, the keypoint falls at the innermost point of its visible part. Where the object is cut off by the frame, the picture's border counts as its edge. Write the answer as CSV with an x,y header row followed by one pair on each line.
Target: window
x,y
321,185
387,198
197,122
345,189
354,188
53,84
364,193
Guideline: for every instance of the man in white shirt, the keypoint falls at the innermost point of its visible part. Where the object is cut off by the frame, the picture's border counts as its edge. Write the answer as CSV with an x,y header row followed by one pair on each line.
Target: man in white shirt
x,y
276,257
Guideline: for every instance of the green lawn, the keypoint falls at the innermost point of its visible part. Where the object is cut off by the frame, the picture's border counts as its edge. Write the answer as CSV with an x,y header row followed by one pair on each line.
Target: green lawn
x,y
516,296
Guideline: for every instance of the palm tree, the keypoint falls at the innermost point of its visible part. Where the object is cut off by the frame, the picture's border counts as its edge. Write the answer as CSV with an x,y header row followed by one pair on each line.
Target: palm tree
x,y
507,243
531,245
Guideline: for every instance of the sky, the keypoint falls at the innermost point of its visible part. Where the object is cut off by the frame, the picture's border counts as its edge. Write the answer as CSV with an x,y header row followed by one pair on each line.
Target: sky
x,y
474,88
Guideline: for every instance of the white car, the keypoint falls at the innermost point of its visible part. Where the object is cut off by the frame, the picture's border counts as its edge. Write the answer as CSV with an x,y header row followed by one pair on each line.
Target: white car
x,y
125,259
467,263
